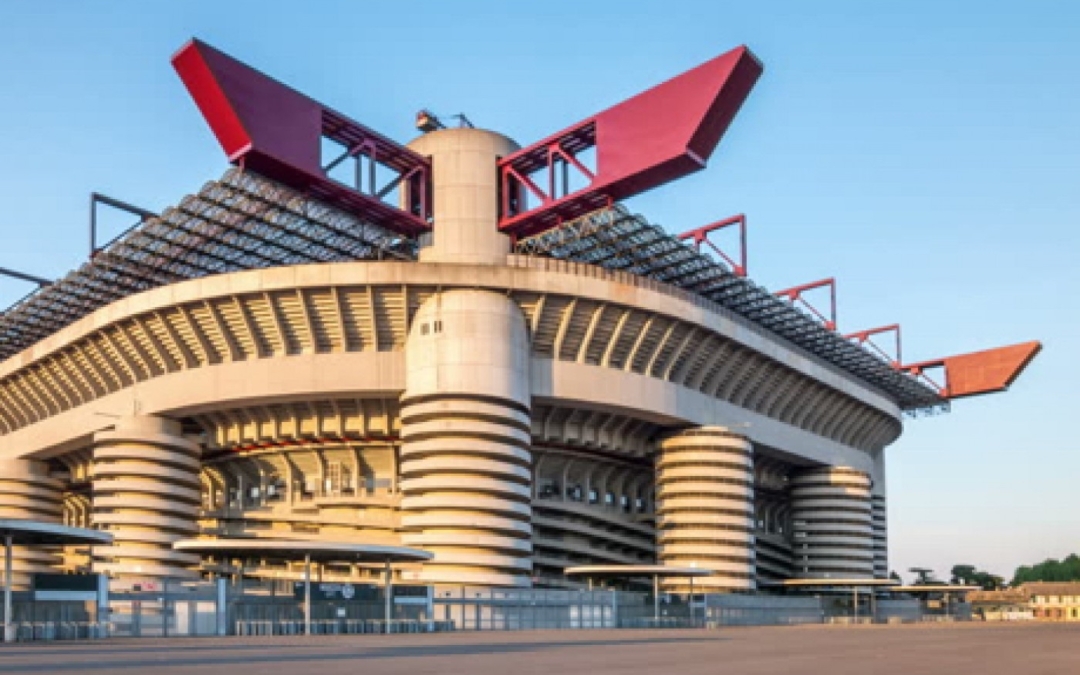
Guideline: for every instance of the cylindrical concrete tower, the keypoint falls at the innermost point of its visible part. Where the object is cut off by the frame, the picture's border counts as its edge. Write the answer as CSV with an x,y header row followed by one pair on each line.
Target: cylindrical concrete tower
x,y
465,184
465,459
147,494
833,534
27,492
705,508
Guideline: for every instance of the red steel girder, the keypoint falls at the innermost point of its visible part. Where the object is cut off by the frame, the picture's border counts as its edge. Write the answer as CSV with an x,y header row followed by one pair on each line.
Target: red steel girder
x,y
276,131
978,373
863,337
701,236
656,137
795,295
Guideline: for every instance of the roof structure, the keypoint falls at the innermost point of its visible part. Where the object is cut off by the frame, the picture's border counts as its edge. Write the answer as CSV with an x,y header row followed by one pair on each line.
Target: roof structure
x,y
243,221
831,583
1051,587
636,570
1006,595
37,533
935,588
290,549
615,239
293,212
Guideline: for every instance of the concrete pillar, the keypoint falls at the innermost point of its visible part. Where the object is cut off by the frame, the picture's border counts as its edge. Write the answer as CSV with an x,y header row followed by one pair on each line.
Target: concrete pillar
x,y
881,536
465,184
833,533
146,492
27,492
466,477
879,518
705,508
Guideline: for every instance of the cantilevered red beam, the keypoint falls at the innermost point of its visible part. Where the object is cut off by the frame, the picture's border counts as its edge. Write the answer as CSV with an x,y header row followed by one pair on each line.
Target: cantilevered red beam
x,y
982,372
863,337
653,138
701,236
795,295
276,131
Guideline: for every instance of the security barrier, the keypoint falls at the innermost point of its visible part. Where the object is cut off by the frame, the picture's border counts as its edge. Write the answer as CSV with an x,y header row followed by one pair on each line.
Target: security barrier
x,y
342,627
27,631
191,609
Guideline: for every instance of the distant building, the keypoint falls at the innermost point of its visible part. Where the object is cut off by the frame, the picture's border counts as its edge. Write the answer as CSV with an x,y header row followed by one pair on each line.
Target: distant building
x,y
1054,601
1006,605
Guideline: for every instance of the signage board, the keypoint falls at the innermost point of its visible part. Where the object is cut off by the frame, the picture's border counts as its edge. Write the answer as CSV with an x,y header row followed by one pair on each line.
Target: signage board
x,y
325,592
65,587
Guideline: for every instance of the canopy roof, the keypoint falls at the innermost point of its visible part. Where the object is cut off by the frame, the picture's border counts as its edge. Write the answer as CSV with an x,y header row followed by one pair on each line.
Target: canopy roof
x,y
636,571
829,583
35,532
320,551
936,588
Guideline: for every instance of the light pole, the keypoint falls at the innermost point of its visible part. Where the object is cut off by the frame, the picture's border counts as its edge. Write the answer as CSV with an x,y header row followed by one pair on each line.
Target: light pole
x,y
307,594
387,610
9,635
691,601
656,599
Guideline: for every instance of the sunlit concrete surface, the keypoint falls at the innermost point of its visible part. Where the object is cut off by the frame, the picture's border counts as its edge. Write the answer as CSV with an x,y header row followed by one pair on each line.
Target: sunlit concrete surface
x,y
1032,649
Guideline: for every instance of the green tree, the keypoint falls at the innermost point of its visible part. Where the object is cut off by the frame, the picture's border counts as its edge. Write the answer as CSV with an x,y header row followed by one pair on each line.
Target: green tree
x,y
1049,570
969,575
963,574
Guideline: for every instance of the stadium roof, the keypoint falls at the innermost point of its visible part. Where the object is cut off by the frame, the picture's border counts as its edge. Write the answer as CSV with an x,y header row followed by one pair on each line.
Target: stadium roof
x,y
615,239
245,221
240,222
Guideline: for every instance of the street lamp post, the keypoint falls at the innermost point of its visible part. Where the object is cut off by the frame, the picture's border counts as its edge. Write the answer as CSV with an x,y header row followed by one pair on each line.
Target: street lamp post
x,y
9,634
307,594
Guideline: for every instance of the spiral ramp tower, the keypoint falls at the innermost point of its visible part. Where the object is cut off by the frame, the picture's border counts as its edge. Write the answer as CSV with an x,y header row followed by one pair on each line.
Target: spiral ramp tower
x,y
833,526
705,507
28,492
466,474
147,494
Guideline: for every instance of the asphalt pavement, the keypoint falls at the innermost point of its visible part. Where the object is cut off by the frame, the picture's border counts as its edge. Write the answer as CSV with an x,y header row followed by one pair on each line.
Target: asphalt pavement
x,y
983,649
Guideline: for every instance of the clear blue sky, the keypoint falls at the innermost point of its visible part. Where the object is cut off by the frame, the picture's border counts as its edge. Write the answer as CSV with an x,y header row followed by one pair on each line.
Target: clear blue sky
x,y
926,154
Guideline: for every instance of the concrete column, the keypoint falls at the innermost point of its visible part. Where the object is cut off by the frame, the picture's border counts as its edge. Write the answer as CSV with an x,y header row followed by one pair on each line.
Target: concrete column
x,y
881,536
146,492
466,465
879,518
833,533
705,508
27,492
465,184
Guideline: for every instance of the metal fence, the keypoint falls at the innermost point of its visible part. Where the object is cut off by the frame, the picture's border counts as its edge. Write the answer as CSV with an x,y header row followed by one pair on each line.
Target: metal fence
x,y
476,608
165,609
189,609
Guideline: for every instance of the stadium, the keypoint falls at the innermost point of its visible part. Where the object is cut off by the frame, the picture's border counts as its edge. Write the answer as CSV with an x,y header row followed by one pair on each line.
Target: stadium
x,y
461,345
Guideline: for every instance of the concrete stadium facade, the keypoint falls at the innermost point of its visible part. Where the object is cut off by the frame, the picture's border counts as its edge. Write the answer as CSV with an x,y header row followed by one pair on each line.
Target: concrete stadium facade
x,y
512,415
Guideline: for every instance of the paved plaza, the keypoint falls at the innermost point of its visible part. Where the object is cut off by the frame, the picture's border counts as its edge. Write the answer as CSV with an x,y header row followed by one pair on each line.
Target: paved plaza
x,y
1004,649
